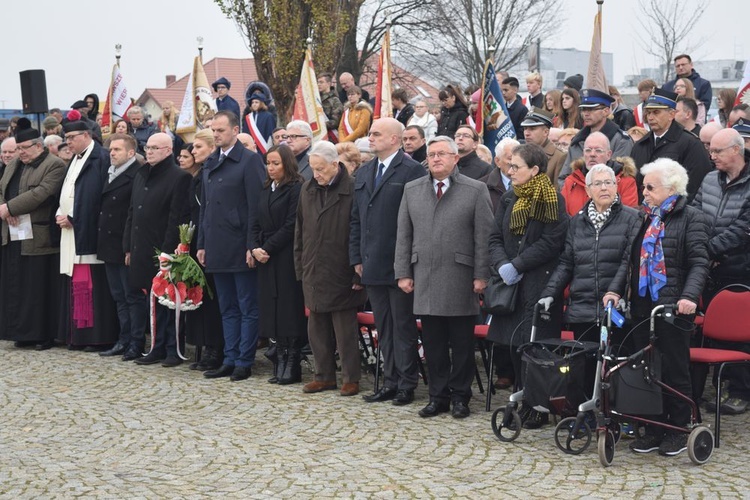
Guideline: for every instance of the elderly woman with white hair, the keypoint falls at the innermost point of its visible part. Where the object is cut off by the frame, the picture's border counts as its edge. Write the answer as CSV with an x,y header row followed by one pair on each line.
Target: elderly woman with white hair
x,y
668,264
598,237
331,288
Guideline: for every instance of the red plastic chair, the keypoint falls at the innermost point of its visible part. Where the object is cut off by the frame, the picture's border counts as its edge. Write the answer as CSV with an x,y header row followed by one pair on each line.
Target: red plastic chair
x,y
727,319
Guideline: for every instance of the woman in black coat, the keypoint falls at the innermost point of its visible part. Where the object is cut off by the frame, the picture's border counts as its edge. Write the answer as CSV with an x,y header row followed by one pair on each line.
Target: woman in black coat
x,y
203,327
454,112
282,305
529,234
668,264
598,237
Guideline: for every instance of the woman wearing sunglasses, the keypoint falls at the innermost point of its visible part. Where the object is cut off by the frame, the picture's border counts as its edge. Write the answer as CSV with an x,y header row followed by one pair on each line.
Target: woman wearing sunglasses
x,y
668,265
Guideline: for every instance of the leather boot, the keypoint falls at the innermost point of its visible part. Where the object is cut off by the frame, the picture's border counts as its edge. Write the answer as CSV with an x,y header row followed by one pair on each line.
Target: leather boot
x,y
283,361
272,354
292,371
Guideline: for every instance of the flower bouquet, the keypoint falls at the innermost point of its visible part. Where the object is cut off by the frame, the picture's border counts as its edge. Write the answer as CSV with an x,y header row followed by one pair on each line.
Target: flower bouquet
x,y
180,282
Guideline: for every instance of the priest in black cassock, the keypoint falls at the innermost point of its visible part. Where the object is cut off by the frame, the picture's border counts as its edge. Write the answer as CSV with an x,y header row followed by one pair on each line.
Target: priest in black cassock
x,y
29,190
88,315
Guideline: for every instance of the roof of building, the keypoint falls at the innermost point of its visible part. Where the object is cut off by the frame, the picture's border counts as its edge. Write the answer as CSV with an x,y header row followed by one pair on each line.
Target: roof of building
x,y
242,72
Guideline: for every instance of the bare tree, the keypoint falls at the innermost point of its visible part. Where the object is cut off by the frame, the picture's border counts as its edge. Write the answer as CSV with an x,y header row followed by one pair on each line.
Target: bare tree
x,y
465,33
369,24
665,26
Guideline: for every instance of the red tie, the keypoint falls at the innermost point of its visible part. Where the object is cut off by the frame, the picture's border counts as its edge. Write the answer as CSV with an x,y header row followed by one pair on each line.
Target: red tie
x,y
440,190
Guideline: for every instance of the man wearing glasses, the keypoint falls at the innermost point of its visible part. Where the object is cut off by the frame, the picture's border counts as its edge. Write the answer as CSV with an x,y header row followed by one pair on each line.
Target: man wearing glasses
x,y
469,164
299,139
595,109
30,265
224,101
88,314
158,205
667,139
442,257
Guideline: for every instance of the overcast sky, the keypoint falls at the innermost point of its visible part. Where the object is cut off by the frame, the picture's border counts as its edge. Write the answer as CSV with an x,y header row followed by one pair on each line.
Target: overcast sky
x,y
73,41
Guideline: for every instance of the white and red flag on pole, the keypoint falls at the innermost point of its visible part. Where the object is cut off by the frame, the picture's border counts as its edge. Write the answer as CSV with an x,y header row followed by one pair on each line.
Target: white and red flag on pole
x,y
118,102
196,103
743,92
596,78
307,103
383,104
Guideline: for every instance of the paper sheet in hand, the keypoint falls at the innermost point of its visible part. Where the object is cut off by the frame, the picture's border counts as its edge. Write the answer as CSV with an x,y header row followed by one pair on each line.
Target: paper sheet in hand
x,y
23,230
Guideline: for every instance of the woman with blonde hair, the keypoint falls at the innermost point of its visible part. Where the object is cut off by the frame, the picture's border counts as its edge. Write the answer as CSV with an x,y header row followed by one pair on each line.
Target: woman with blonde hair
x,y
553,104
349,155
355,123
203,327
684,87
169,116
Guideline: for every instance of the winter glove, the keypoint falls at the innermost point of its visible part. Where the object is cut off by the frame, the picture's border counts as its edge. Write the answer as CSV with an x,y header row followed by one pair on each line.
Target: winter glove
x,y
509,274
546,302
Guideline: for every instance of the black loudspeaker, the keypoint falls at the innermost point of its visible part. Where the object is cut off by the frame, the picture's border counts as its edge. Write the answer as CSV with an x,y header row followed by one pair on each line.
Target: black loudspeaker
x,y
34,91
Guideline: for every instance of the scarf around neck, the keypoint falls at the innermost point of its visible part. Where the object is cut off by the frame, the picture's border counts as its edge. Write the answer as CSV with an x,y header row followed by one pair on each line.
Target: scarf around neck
x,y
537,199
653,270
599,218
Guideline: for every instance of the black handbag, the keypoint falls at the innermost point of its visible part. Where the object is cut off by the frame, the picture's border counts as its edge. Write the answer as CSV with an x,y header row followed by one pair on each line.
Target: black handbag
x,y
499,298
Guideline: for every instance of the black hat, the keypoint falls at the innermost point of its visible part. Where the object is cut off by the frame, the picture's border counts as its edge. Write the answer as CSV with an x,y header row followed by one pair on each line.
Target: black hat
x,y
257,96
591,98
221,81
661,99
4,124
537,117
74,123
574,82
24,132
78,105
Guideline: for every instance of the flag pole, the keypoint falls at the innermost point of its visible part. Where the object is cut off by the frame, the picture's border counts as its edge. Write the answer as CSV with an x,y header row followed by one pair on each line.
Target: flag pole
x,y
200,47
118,53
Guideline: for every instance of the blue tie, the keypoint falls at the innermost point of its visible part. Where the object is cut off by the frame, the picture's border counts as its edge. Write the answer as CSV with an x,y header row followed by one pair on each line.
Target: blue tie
x,y
379,175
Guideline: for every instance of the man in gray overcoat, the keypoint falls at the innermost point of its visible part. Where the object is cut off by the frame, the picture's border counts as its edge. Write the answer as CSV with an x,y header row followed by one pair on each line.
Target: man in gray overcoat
x,y
444,223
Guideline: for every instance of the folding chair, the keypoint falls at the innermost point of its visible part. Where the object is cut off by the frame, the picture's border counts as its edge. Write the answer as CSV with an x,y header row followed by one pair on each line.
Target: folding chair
x,y
727,319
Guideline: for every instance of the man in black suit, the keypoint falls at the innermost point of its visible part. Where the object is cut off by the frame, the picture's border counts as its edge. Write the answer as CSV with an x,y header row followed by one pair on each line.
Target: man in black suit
x,y
114,212
158,205
378,189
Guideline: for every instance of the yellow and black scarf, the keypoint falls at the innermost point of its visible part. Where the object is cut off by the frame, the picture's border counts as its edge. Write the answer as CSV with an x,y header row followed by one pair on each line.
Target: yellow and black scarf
x,y
537,199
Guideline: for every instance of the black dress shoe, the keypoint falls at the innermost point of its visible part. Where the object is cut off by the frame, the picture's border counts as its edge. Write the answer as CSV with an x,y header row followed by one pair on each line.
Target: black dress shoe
x,y
150,359
171,362
132,353
45,345
384,394
95,348
240,373
115,351
460,409
20,344
223,371
403,397
433,409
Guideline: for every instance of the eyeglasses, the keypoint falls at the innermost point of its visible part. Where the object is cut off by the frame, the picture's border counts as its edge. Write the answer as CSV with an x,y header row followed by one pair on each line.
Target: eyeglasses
x,y
25,148
650,187
440,154
602,184
282,137
221,87
295,136
716,151
154,148
598,151
464,136
514,168
68,137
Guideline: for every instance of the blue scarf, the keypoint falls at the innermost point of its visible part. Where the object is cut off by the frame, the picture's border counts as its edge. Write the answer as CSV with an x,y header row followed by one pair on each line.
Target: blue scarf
x,y
653,270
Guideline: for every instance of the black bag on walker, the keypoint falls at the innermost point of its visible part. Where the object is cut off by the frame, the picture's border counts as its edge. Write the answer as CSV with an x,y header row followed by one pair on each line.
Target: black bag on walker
x,y
633,390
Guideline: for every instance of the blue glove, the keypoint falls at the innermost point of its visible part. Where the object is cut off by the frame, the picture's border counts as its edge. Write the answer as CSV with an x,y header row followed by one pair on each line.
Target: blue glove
x,y
509,274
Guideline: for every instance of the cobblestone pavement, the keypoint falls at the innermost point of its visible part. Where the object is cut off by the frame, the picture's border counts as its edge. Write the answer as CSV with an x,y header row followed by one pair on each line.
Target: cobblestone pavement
x,y
73,424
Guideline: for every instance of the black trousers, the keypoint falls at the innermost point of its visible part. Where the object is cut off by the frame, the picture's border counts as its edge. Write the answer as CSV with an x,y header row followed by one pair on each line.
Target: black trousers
x,y
674,346
397,335
449,348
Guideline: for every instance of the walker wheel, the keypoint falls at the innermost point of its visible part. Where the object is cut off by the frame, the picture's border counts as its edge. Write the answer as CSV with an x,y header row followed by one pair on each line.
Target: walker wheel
x,y
616,430
606,445
571,440
700,444
509,427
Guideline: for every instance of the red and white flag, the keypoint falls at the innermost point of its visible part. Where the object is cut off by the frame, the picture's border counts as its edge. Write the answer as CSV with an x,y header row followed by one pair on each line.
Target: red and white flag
x,y
118,102
743,92
383,104
307,103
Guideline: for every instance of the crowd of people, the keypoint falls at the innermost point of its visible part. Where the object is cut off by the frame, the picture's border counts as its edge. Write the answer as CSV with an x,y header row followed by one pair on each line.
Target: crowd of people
x,y
408,216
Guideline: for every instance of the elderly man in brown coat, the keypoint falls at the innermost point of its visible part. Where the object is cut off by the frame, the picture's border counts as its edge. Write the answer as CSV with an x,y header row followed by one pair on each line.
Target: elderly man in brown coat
x,y
442,256
321,260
